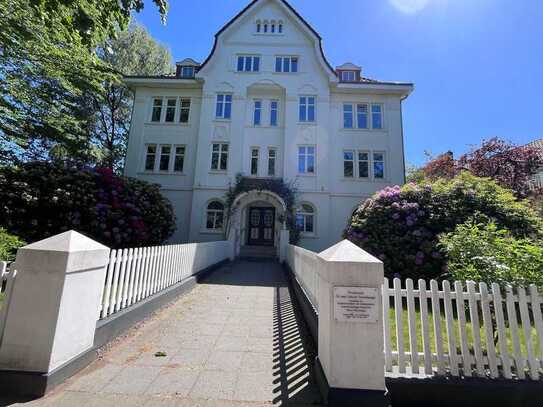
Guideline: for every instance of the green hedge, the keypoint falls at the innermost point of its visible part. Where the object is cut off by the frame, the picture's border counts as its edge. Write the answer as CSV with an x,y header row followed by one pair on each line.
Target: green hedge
x,y
8,245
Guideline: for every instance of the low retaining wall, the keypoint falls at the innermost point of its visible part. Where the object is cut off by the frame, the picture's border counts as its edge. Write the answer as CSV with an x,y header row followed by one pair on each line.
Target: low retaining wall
x,y
17,383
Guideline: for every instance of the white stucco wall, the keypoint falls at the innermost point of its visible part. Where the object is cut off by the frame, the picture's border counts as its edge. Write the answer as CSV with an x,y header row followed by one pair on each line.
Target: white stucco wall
x,y
333,196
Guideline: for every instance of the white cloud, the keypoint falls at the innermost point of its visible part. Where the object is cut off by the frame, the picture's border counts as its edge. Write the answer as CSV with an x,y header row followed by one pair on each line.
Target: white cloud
x,y
409,6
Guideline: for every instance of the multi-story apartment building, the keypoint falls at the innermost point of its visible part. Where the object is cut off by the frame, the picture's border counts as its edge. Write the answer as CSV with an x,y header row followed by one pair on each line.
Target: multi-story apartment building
x,y
266,103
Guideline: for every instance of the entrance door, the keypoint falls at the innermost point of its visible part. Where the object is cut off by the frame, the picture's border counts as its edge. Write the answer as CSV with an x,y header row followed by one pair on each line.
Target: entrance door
x,y
261,226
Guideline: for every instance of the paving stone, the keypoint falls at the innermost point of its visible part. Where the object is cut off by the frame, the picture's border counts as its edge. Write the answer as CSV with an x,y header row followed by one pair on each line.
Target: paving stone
x,y
173,382
132,380
190,358
95,377
226,361
255,386
212,384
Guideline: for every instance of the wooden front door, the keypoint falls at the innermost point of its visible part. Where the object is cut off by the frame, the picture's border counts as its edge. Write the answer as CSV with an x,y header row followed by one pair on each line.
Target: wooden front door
x,y
261,226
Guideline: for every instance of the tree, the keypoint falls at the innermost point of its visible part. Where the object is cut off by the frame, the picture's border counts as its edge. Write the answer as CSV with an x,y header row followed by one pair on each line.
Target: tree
x,y
509,165
132,52
48,61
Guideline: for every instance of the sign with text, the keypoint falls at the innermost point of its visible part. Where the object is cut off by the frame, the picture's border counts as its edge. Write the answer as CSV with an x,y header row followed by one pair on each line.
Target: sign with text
x,y
356,304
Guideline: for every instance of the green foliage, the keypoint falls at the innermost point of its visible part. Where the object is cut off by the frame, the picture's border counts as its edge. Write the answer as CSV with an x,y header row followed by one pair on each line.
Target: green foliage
x,y
483,251
132,52
8,245
401,225
39,199
287,191
48,61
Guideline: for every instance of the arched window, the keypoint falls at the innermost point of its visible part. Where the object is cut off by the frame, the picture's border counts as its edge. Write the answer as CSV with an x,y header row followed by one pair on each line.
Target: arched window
x,y
273,26
280,27
215,215
258,26
265,26
305,218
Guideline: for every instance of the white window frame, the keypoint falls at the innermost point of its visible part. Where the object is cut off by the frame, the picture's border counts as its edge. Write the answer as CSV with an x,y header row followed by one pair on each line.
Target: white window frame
x,y
223,104
214,213
352,161
306,105
245,58
255,156
175,155
282,63
220,153
146,153
345,76
381,113
306,156
367,161
369,116
192,70
272,159
257,102
276,110
167,107
348,105
160,154
160,119
181,108
373,161
304,214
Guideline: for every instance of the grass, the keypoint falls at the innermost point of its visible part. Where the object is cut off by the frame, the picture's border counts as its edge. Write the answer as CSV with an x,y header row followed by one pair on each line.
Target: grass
x,y
469,330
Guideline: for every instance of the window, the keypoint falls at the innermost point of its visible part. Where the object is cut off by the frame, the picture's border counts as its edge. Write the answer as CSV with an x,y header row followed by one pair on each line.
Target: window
x,y
187,72
305,218
265,27
378,165
164,163
273,28
248,63
286,64
348,76
274,104
214,215
376,116
348,164
157,110
272,155
254,161
306,159
219,156
150,157
184,111
280,28
307,109
170,109
362,116
258,26
363,164
179,160
257,114
348,116
224,106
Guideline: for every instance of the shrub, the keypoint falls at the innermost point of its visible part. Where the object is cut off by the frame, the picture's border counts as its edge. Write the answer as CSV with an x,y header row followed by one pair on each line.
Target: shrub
x,y
8,245
400,225
40,199
485,252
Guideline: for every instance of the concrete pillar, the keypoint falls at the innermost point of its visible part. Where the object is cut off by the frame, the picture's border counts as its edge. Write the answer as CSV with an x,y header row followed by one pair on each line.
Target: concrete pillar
x,y
55,303
350,363
284,238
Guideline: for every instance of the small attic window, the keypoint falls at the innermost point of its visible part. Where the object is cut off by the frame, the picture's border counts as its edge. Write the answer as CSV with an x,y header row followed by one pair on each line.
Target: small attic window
x,y
187,72
258,26
348,76
269,26
280,27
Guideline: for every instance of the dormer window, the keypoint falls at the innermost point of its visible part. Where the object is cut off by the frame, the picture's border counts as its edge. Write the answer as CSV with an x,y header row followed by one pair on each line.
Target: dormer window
x,y
348,76
187,72
186,68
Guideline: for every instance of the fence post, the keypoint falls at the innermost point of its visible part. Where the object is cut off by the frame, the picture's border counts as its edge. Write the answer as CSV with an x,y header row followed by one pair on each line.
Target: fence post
x,y
350,362
54,305
284,238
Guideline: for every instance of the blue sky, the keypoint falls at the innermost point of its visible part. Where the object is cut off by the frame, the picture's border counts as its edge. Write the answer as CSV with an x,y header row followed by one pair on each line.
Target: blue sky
x,y
477,65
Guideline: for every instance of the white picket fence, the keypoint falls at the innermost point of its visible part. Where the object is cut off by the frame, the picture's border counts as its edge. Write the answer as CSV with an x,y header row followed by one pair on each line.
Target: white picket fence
x,y
472,315
303,264
135,274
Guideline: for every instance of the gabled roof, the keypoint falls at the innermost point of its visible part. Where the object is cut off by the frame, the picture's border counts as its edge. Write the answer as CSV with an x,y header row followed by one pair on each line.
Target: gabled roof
x,y
247,8
188,62
349,66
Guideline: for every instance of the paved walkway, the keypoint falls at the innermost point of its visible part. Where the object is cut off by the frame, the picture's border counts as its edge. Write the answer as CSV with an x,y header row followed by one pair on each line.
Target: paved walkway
x,y
235,340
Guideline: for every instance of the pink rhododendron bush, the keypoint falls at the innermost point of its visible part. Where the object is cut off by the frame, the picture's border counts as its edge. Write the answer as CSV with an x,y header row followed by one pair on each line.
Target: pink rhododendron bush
x,y
41,199
401,225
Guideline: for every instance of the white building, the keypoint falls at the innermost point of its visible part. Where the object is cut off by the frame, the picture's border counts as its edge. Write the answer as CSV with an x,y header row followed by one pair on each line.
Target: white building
x,y
267,104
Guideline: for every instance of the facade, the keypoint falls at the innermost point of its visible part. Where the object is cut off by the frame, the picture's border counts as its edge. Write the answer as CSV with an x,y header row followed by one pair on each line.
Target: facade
x,y
266,104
